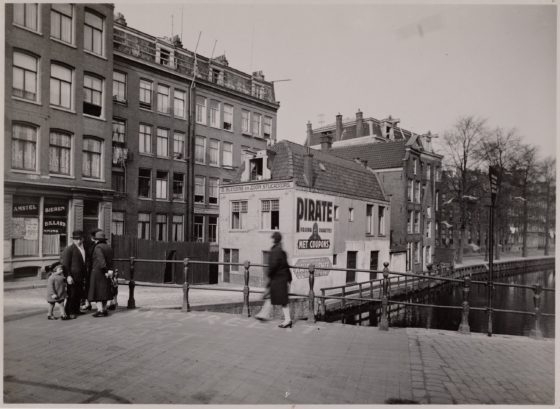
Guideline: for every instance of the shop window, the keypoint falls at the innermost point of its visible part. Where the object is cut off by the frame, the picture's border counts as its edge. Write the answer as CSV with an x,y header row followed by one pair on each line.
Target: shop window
x,y
144,182
117,223
270,214
55,226
144,226
24,72
25,226
177,228
161,227
238,214
24,147
199,189
62,25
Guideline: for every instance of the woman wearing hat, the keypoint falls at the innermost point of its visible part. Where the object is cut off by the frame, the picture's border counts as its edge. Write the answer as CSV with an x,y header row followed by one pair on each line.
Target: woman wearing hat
x,y
280,278
101,267
74,261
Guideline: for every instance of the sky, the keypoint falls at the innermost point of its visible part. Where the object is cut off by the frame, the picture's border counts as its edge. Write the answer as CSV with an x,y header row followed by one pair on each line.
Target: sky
x,y
425,64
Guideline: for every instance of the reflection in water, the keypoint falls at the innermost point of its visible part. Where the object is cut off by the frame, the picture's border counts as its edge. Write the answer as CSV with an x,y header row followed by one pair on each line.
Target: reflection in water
x,y
504,298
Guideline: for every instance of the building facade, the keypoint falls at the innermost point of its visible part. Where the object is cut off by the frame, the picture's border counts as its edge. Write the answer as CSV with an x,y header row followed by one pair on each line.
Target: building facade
x,y
183,123
57,127
409,171
331,212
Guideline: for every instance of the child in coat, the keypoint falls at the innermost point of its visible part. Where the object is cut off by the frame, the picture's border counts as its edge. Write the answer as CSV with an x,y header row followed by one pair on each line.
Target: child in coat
x,y
56,291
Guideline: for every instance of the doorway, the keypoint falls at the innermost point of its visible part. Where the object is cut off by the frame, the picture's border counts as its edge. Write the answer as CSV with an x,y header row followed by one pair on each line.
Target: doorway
x,y
351,257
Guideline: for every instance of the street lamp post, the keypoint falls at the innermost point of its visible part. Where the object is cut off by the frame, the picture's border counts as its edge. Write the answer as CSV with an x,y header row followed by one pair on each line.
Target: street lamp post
x,y
494,185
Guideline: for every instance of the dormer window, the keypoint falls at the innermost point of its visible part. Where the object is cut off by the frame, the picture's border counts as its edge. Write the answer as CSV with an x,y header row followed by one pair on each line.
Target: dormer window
x,y
164,56
256,168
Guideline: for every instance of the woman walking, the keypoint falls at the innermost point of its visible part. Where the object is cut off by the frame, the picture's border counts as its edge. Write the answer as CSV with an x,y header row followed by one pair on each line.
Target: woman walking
x,y
100,288
280,278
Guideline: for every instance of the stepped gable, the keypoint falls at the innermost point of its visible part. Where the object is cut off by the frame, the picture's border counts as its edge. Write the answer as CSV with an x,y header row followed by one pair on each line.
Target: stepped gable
x,y
331,173
381,155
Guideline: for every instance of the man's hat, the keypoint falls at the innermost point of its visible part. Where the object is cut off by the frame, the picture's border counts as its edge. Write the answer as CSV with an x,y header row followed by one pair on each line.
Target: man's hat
x,y
77,234
94,231
53,266
100,235
277,237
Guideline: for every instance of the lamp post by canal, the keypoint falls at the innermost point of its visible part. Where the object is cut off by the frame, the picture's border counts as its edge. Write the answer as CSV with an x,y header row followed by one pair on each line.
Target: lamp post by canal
x,y
494,185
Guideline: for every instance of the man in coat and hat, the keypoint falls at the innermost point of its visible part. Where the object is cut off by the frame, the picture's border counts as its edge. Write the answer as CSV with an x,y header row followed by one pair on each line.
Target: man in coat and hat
x,y
100,286
74,261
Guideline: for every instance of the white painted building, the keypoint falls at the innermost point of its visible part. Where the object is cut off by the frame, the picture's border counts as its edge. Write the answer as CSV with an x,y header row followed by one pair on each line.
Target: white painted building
x,y
331,212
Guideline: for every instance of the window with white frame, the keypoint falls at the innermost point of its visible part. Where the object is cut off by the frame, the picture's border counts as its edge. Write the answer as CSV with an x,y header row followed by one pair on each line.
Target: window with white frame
x,y
238,214
145,94
227,154
410,222
199,189
257,124
91,158
61,86
381,220
161,184
164,56
119,86
24,147
144,226
119,130
214,152
93,95
177,228
178,186
179,103
414,166
178,145
200,150
60,145
369,219
161,227
62,25
245,122
93,32
24,71
117,223
270,214
27,15
199,228
228,117
145,138
410,190
417,192
163,99
231,256
267,127
213,190
200,110
214,113
144,183
351,214
416,222
212,229
162,142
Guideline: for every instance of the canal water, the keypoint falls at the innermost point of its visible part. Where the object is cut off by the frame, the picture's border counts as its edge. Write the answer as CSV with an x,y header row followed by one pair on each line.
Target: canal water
x,y
504,298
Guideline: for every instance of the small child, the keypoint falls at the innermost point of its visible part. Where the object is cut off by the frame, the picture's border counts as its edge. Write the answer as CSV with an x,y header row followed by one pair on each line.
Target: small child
x,y
56,291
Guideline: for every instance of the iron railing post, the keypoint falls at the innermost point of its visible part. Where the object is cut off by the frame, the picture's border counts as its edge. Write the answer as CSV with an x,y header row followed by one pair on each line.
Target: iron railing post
x,y
323,305
384,322
311,312
131,284
246,311
537,301
186,305
464,326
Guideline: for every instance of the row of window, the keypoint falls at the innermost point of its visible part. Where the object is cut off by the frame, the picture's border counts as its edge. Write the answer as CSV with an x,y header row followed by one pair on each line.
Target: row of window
x,y
221,115
413,222
163,102
416,191
162,233
417,250
212,155
26,84
420,168
25,151
62,24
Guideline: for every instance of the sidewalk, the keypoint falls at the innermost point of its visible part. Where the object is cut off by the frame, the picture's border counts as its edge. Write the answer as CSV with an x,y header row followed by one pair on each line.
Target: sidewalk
x,y
161,356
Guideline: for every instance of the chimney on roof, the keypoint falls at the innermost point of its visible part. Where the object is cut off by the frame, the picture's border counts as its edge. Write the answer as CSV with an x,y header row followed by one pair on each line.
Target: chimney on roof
x,y
326,141
309,133
119,18
338,135
359,123
308,173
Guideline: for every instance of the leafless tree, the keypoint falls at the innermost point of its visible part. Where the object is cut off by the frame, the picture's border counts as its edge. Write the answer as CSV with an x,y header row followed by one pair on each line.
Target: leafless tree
x,y
547,173
460,146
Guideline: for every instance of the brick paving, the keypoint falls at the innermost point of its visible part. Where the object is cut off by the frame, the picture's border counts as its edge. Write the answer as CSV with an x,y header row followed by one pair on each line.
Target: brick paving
x,y
163,355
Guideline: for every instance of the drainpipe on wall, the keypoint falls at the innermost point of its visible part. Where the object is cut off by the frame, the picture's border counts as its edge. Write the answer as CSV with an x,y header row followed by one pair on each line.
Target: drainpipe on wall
x,y
190,188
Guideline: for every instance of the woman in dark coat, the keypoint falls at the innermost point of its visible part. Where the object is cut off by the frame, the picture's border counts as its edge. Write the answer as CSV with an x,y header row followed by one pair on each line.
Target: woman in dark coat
x,y
100,287
280,278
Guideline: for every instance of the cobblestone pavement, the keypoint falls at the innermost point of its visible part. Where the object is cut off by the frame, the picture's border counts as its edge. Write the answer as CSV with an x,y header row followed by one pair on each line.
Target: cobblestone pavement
x,y
163,355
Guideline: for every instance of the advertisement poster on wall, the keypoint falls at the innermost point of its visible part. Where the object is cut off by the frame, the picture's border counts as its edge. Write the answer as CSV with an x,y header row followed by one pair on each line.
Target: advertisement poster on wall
x,y
314,224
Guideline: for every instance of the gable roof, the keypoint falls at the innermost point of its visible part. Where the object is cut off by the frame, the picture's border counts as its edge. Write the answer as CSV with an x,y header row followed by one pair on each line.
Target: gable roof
x,y
331,173
380,155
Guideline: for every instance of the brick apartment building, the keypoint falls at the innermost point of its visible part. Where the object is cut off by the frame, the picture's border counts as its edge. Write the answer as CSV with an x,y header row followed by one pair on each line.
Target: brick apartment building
x,y
410,172
57,127
162,121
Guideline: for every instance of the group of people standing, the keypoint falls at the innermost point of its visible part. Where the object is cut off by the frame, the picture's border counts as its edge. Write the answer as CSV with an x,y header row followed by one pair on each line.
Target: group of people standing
x,y
83,276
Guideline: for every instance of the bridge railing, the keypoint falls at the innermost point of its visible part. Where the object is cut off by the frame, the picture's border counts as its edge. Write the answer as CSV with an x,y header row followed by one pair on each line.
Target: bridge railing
x,y
375,290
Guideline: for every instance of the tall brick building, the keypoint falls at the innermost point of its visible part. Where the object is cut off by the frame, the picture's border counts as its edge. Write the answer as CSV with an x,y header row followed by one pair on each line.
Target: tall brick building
x,y
409,171
57,127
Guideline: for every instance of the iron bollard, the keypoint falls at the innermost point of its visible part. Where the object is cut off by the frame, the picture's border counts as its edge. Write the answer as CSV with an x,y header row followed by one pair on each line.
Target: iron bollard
x,y
245,310
131,284
537,301
464,326
186,305
384,322
323,305
311,312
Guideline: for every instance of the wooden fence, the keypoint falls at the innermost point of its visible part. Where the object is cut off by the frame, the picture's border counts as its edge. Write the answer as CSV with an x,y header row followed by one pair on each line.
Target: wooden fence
x,y
131,246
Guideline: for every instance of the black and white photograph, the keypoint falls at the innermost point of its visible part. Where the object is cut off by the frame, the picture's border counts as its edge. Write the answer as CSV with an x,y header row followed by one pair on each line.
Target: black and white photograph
x,y
279,203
